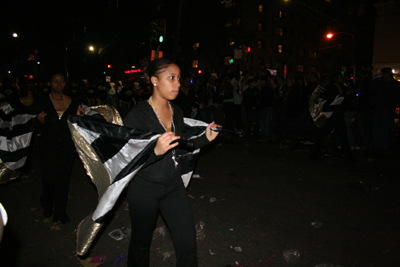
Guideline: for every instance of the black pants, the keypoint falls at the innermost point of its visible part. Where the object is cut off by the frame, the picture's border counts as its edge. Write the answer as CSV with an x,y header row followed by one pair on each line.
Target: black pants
x,y
57,158
145,201
335,122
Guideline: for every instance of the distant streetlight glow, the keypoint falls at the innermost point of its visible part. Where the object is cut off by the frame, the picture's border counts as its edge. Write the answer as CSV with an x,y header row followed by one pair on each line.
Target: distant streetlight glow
x,y
91,48
329,35
15,35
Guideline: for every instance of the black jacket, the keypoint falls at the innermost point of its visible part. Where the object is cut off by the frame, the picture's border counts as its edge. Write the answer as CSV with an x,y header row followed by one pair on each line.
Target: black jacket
x,y
160,169
53,127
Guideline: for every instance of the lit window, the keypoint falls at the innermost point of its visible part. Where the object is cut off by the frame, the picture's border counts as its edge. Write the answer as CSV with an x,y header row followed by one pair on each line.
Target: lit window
x,y
195,63
196,46
280,48
313,54
279,31
261,44
261,8
280,14
300,68
260,26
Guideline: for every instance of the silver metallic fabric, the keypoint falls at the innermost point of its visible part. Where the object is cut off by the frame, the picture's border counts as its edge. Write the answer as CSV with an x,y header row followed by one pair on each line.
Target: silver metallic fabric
x,y
6,174
315,107
86,232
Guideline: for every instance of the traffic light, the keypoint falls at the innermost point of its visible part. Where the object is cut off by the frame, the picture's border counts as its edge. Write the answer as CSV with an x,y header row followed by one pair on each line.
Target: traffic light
x,y
108,66
157,31
245,53
161,30
199,71
231,61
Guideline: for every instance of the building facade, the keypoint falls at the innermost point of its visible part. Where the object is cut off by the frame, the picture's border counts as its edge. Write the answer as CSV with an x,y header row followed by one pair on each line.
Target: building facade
x,y
386,52
286,36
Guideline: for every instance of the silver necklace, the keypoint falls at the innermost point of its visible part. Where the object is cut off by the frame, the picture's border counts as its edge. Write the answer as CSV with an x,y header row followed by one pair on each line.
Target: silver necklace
x,y
173,126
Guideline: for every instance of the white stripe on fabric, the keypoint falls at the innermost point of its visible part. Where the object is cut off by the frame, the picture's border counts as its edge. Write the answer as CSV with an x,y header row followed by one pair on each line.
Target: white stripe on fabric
x,y
3,215
90,136
7,108
107,201
15,165
16,120
129,151
16,143
186,178
194,123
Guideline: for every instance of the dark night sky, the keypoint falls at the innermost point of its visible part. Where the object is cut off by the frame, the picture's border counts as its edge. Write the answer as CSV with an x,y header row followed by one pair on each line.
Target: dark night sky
x,y
50,26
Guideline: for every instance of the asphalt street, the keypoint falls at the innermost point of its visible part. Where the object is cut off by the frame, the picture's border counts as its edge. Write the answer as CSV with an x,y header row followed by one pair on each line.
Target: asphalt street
x,y
256,204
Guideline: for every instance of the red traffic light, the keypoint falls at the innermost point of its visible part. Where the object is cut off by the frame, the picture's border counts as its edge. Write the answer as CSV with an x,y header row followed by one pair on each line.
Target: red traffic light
x,y
199,71
248,49
108,66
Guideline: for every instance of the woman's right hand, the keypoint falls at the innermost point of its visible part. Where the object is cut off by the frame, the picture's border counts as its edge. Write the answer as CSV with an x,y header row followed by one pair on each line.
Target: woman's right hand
x,y
41,116
164,143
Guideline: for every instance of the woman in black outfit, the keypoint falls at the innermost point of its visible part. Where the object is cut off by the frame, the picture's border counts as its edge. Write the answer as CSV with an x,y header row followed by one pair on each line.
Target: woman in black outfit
x,y
158,185
57,151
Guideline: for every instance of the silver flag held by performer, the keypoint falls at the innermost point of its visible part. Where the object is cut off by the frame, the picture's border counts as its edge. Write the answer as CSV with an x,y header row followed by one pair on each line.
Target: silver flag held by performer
x,y
112,155
16,128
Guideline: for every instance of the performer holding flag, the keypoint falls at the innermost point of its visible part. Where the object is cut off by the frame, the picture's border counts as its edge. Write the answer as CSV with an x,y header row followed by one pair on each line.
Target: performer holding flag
x,y
158,186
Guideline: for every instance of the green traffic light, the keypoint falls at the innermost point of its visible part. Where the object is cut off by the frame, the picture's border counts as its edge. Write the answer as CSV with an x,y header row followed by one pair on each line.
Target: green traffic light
x,y
231,60
161,39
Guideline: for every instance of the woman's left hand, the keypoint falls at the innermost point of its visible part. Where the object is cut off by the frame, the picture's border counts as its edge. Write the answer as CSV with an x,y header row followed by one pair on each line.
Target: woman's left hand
x,y
210,134
80,111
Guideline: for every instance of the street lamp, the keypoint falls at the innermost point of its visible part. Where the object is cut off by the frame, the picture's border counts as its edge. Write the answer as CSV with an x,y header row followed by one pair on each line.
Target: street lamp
x,y
353,61
15,35
91,48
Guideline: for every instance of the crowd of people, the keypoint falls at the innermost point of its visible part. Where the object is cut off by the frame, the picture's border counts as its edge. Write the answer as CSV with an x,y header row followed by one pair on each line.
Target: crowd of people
x,y
262,106
276,109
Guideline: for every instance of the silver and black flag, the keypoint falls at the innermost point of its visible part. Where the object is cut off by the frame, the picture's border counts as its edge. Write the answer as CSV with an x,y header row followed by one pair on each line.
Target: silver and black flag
x,y
112,155
16,128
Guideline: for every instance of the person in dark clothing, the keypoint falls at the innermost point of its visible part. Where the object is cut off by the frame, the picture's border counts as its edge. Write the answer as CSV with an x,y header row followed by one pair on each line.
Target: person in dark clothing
x,y
250,103
385,98
296,99
335,96
363,110
158,186
186,98
265,107
57,150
